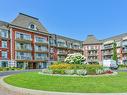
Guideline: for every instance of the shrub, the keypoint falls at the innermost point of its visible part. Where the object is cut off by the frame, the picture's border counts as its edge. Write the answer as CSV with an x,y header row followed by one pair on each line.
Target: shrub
x,y
108,72
47,71
69,72
81,72
1,69
99,71
60,66
75,58
58,71
91,69
123,66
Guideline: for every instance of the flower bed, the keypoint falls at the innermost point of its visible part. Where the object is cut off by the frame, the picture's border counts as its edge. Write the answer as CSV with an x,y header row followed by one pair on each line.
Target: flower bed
x,y
76,69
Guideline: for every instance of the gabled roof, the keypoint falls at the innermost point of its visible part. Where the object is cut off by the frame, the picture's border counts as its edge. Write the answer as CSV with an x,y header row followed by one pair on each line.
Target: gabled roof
x,y
117,37
4,25
91,39
24,20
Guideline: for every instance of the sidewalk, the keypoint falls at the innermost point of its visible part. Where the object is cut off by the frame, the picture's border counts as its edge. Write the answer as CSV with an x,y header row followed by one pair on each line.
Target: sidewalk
x,y
6,89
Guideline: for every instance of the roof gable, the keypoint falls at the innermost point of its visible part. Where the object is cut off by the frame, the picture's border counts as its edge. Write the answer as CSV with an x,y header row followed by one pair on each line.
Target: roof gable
x,y
24,20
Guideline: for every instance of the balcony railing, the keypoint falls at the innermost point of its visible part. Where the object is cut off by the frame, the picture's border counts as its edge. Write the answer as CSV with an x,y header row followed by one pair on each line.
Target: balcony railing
x,y
24,57
92,60
61,59
61,52
41,58
124,51
41,50
24,48
23,38
92,54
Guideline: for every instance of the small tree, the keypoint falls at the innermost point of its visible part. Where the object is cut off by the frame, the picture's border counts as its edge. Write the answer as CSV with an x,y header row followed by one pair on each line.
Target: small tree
x,y
114,57
75,58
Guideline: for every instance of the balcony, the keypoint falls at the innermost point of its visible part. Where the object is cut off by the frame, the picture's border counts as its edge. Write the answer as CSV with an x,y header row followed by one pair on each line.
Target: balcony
x,y
107,47
62,45
92,54
41,50
124,51
108,53
24,48
41,58
41,41
4,58
92,60
23,57
62,53
61,59
23,39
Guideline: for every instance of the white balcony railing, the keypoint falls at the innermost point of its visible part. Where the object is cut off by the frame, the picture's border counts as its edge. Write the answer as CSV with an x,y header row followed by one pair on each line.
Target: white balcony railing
x,y
24,48
24,57
41,58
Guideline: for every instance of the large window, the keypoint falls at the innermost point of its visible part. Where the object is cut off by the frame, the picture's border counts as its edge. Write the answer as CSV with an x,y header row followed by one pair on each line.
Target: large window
x,y
4,54
23,36
4,33
41,39
4,44
23,56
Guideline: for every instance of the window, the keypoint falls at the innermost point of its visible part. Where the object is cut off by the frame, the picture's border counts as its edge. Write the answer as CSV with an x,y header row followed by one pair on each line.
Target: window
x,y
4,55
32,26
4,33
4,44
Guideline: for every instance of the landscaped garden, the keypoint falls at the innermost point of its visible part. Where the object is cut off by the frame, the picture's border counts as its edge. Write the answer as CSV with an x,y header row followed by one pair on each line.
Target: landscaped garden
x,y
33,80
75,64
72,75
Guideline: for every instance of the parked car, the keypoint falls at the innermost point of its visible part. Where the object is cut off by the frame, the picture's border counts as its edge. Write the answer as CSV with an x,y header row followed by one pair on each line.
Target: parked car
x,y
110,64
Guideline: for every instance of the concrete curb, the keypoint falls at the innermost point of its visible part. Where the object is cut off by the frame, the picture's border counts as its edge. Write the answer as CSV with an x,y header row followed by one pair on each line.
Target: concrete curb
x,y
24,91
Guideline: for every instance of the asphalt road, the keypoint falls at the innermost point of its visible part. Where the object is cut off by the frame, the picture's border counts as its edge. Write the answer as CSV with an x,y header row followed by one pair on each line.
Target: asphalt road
x,y
19,71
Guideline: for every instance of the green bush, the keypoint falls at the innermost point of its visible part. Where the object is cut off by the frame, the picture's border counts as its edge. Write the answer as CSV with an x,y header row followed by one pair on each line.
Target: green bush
x,y
91,69
123,66
58,71
1,69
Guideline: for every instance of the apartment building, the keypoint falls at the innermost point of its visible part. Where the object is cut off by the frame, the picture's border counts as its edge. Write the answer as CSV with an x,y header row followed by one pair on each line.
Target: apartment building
x,y
5,50
98,50
60,46
25,43
92,49
121,42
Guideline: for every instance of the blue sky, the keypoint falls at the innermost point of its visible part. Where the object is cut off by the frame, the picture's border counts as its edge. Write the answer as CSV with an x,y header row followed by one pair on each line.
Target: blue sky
x,y
72,18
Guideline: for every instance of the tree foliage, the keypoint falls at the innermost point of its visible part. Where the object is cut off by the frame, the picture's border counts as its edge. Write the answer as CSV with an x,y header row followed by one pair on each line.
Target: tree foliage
x,y
114,57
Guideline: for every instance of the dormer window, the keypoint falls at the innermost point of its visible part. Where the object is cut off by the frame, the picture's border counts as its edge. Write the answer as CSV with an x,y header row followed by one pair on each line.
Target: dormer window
x,y
33,27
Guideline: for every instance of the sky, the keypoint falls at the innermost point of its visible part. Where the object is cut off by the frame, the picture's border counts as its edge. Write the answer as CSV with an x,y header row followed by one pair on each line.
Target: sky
x,y
72,18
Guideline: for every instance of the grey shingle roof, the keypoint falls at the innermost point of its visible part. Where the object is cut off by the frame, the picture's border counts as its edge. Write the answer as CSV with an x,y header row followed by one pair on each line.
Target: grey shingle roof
x,y
91,39
117,37
24,20
4,25
67,38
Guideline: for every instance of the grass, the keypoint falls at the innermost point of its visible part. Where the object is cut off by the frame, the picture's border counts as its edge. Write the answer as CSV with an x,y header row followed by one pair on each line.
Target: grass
x,y
33,80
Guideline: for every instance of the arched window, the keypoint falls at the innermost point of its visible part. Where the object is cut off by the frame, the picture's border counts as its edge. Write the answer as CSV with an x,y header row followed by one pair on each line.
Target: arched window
x,y
33,27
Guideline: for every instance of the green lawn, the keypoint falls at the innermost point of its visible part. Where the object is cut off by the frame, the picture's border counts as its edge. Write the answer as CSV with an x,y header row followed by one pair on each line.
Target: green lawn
x,y
33,80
